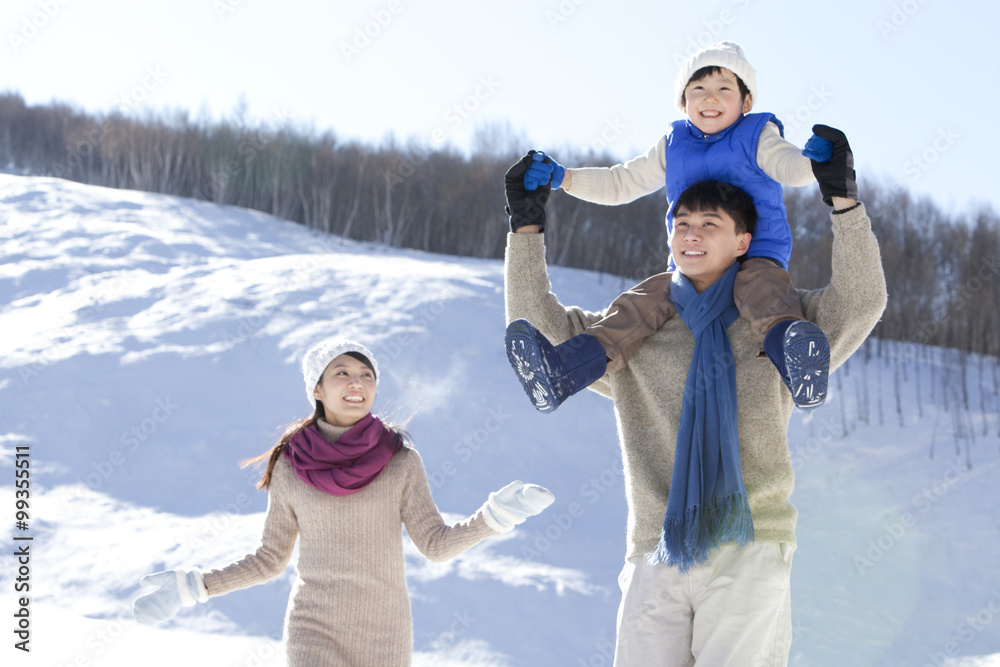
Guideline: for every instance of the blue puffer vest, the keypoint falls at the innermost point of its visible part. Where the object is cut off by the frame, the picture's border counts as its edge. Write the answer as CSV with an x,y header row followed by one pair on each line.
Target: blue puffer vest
x,y
730,156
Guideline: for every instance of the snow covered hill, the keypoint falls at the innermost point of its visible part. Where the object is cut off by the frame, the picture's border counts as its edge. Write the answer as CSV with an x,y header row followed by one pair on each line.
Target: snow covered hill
x,y
150,343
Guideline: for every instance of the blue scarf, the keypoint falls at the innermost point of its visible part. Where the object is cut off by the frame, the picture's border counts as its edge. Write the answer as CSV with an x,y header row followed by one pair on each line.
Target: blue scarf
x,y
707,506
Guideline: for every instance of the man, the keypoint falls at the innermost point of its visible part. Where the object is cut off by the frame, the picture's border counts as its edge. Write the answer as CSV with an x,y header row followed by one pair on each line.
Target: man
x,y
727,601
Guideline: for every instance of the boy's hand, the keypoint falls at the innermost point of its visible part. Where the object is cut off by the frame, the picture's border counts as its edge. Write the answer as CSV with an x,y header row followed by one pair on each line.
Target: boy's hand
x,y
525,208
818,149
836,176
543,169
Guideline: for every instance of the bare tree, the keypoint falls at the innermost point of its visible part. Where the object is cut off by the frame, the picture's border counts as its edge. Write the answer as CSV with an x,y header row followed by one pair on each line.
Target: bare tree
x,y
944,287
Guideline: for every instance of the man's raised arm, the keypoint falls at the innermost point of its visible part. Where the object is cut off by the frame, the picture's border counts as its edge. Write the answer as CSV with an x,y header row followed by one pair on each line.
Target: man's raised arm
x,y
851,305
528,291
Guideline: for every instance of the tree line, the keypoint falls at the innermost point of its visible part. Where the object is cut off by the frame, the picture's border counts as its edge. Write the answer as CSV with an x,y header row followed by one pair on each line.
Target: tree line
x,y
942,267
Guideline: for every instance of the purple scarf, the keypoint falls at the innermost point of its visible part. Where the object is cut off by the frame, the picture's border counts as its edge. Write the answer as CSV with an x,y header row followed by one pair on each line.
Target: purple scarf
x,y
348,465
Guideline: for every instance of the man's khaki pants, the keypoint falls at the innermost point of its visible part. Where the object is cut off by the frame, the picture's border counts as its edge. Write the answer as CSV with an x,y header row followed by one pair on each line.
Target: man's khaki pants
x,y
735,610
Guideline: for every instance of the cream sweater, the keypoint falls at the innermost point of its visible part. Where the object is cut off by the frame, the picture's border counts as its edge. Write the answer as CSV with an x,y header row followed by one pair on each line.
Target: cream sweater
x,y
647,392
349,606
646,173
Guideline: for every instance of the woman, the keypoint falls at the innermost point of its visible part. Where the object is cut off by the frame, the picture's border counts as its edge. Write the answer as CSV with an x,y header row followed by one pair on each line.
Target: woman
x,y
345,484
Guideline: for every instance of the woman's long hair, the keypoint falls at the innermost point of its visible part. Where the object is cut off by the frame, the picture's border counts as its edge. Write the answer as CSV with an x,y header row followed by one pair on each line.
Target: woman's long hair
x,y
271,455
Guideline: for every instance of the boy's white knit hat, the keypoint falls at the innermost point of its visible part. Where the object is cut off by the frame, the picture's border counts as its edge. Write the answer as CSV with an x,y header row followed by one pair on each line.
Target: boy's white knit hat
x,y
320,355
720,54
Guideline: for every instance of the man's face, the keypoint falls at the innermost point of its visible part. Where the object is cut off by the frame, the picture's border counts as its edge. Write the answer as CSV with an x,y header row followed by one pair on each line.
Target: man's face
x,y
705,244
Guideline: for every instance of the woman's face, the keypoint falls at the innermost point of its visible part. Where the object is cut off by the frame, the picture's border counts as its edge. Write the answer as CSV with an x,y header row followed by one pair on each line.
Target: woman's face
x,y
347,391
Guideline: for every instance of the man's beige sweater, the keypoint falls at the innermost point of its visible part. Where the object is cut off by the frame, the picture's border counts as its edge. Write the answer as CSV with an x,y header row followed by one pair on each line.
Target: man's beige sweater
x,y
349,606
647,393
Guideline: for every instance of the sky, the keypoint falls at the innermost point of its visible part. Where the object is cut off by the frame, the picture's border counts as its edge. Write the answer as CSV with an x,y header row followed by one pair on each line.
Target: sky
x,y
907,80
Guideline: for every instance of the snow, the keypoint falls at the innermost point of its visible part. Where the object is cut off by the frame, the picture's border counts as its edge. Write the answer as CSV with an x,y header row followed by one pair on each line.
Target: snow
x,y
151,343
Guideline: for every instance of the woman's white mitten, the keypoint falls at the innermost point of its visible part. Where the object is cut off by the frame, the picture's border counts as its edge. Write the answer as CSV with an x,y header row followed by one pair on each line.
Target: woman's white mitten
x,y
174,589
513,504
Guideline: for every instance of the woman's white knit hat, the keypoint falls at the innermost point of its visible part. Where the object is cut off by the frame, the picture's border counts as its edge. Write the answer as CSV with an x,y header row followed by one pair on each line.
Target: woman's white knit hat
x,y
320,355
720,54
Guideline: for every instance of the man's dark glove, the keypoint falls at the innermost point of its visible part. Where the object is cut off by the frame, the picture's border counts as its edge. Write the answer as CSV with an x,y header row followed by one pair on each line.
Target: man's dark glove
x,y
836,176
523,206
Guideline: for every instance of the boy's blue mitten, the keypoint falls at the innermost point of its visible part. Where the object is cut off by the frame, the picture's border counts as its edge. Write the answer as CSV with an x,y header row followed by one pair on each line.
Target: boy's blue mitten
x,y
543,169
818,149
174,589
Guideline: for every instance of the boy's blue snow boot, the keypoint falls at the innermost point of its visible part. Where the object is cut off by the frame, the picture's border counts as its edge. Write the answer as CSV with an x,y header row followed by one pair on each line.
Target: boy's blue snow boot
x,y
801,353
551,374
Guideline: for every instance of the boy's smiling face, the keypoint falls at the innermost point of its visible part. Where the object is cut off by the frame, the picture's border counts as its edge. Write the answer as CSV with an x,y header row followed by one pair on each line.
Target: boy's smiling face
x,y
714,102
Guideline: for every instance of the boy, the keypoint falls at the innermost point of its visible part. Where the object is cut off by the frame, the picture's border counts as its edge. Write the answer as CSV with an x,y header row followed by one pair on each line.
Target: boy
x,y
719,140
